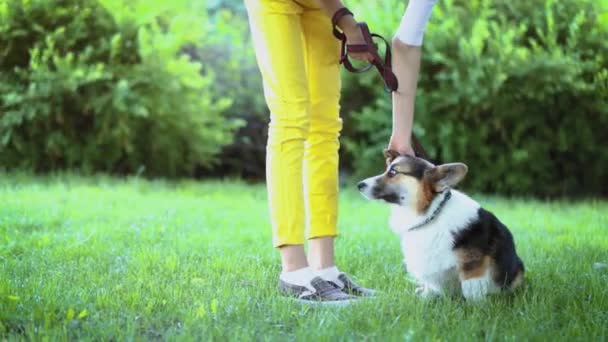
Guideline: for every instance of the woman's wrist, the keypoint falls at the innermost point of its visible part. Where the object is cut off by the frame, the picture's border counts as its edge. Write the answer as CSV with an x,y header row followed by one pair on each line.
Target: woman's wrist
x,y
348,25
402,145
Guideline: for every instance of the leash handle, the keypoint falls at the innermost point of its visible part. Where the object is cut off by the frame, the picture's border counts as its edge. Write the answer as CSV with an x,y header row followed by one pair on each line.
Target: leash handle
x,y
345,47
334,21
383,66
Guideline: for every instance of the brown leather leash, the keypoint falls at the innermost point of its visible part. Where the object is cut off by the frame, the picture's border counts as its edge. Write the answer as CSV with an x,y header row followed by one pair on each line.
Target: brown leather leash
x,y
383,66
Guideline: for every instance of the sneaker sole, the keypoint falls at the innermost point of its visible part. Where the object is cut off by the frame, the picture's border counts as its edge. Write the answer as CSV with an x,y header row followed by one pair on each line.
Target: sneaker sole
x,y
324,303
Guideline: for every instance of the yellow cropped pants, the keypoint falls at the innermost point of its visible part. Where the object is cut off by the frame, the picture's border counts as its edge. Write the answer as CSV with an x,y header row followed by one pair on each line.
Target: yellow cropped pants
x,y
299,60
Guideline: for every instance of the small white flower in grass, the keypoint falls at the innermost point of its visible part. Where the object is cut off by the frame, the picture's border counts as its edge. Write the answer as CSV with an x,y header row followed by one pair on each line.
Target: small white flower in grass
x,y
599,265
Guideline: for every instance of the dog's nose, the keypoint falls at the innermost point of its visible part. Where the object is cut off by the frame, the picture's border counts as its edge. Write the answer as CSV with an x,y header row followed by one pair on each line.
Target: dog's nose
x,y
361,185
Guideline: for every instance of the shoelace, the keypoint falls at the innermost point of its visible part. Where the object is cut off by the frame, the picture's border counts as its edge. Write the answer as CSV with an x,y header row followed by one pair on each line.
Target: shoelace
x,y
323,287
348,283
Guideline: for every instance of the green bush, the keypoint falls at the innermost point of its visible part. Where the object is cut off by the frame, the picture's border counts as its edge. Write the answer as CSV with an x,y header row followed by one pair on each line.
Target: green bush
x,y
517,90
105,87
229,54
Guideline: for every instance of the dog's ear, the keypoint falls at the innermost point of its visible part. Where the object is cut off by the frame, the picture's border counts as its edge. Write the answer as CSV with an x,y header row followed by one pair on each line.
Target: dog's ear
x,y
446,176
390,155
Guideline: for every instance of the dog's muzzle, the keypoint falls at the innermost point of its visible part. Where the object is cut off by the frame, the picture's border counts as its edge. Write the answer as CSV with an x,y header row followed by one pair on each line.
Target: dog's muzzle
x,y
366,188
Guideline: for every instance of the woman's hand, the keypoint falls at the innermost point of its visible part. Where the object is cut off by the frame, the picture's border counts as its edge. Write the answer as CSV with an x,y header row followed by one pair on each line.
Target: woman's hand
x,y
348,25
401,145
354,37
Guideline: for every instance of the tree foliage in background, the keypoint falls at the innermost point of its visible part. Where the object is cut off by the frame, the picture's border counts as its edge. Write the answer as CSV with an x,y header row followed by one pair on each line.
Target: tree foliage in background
x,y
228,53
517,90
104,87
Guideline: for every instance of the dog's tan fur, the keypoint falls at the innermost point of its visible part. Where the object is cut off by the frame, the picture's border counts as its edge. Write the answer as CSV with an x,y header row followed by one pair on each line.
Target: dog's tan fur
x,y
472,263
425,196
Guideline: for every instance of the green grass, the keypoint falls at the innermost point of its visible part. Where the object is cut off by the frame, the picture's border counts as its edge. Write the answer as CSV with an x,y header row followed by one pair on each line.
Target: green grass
x,y
107,259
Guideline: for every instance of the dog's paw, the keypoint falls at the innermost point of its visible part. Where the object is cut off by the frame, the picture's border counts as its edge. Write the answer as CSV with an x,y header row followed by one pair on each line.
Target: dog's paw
x,y
475,290
425,292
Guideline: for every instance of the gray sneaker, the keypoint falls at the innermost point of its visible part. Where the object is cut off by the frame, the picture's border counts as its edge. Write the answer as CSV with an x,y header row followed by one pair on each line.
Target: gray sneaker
x,y
325,293
352,288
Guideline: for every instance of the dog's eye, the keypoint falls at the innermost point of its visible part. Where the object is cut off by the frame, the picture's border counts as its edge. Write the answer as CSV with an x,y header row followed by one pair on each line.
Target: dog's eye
x,y
391,173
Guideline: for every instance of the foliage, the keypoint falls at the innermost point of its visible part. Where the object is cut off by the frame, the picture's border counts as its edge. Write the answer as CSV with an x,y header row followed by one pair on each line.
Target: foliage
x,y
229,55
105,87
517,90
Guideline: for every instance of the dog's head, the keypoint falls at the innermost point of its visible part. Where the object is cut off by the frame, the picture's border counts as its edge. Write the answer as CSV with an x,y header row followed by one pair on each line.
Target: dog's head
x,y
411,181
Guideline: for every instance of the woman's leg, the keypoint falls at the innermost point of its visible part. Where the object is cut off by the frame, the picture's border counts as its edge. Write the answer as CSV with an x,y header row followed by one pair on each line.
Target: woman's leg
x,y
321,157
277,36
406,65
280,50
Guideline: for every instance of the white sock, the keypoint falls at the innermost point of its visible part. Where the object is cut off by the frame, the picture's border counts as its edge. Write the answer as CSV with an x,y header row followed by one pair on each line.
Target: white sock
x,y
330,274
301,277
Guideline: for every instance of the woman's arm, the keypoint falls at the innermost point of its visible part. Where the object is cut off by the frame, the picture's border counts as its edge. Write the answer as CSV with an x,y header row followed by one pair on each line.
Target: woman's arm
x,y
406,66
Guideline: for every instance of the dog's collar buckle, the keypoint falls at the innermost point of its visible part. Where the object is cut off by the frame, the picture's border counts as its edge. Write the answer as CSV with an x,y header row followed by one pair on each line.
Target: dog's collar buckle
x,y
435,213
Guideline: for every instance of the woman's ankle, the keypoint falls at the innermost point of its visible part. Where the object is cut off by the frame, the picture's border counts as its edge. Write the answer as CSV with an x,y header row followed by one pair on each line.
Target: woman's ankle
x,y
293,257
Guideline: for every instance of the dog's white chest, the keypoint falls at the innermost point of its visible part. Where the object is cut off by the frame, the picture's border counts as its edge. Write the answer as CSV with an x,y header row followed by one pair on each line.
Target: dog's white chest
x,y
428,250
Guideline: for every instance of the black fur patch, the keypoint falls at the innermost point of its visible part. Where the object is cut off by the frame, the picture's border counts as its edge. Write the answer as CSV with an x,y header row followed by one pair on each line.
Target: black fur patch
x,y
414,167
386,196
418,169
471,265
391,198
492,238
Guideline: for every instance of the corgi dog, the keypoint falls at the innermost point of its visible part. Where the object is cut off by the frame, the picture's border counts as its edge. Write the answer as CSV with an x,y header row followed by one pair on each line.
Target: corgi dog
x,y
451,244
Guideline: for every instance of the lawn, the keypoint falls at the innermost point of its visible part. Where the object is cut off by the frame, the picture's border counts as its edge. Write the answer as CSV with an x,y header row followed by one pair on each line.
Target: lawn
x,y
110,259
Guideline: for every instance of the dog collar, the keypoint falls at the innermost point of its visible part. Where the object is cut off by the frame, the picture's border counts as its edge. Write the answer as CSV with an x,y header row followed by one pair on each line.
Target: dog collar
x,y
435,213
